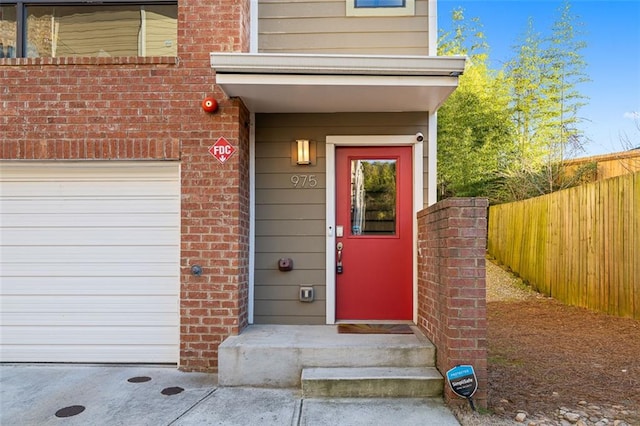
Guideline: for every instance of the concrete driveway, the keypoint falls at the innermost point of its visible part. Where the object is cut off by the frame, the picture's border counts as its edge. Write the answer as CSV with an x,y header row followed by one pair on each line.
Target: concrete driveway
x,y
156,395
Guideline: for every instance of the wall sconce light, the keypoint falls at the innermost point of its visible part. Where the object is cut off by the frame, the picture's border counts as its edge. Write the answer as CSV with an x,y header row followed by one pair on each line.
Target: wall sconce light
x,y
303,152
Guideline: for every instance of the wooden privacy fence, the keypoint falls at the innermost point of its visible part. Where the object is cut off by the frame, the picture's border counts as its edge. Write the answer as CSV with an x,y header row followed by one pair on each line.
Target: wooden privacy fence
x,y
580,246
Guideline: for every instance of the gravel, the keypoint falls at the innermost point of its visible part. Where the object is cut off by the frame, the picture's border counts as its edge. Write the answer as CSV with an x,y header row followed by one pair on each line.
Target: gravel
x,y
502,286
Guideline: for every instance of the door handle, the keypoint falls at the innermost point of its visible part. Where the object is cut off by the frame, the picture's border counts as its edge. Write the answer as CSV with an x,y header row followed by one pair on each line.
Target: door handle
x,y
339,247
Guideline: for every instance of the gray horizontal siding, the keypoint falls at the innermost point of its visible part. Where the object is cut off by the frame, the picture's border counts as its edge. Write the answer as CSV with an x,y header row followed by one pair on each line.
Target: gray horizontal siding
x,y
286,244
301,261
321,26
307,211
287,319
305,227
287,292
273,277
287,196
269,164
275,25
285,307
380,43
289,223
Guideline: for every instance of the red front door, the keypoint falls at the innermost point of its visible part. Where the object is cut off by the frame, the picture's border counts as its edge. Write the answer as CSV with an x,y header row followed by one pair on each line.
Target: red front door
x,y
374,233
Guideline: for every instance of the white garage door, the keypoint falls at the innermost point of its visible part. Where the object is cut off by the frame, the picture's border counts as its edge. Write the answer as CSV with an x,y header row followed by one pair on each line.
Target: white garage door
x,y
90,261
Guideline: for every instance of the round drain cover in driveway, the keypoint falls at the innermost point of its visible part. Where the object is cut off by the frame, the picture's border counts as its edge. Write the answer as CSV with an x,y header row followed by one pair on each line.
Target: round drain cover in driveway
x,y
70,411
172,391
139,379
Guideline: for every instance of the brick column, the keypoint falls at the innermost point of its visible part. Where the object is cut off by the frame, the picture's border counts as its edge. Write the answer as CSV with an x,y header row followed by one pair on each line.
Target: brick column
x,y
215,236
215,196
452,286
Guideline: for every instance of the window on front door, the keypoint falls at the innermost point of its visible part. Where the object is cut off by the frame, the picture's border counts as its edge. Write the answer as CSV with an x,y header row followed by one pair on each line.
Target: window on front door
x,y
373,197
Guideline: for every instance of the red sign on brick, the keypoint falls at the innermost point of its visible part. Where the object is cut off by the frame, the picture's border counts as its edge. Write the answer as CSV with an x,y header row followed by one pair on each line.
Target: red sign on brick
x,y
222,150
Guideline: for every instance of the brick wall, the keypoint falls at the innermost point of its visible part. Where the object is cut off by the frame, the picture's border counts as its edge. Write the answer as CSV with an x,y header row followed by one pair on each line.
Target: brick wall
x,y
131,108
452,286
215,235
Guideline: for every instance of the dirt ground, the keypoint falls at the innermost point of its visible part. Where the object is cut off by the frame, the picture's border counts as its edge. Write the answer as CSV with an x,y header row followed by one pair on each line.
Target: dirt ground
x,y
547,359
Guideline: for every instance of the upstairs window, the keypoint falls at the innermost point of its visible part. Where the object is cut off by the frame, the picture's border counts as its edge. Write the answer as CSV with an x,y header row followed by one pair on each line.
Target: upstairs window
x,y
379,3
380,7
52,30
8,31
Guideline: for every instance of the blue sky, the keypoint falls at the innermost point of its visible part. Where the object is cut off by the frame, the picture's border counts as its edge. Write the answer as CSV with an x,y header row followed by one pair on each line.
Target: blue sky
x,y
612,34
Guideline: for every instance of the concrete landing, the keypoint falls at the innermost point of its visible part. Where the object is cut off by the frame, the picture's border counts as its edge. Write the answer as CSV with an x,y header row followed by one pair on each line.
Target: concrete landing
x,y
274,355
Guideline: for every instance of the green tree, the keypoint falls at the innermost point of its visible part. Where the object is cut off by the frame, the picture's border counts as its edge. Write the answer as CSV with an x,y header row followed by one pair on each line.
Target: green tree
x,y
566,71
543,80
474,127
530,109
506,134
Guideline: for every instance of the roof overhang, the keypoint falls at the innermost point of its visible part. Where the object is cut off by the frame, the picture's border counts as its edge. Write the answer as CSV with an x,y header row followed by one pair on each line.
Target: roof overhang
x,y
269,82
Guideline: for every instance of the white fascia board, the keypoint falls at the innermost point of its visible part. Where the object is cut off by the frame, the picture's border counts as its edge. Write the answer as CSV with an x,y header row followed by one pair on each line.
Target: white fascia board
x,y
335,80
387,65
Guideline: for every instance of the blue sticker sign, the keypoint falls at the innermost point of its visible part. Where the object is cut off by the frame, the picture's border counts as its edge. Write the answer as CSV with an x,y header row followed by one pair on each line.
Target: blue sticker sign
x,y
462,380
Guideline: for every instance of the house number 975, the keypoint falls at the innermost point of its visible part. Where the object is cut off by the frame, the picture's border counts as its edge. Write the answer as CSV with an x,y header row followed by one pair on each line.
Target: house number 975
x,y
304,181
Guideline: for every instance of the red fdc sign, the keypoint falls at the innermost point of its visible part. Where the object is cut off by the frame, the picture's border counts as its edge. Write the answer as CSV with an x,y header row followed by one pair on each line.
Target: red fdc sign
x,y
222,150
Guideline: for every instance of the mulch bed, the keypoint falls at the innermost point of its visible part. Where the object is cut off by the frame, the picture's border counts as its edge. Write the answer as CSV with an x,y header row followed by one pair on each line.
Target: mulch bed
x,y
544,355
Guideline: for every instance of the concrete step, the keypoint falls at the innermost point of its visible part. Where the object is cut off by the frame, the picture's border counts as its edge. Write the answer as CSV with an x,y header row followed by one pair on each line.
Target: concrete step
x,y
372,382
274,355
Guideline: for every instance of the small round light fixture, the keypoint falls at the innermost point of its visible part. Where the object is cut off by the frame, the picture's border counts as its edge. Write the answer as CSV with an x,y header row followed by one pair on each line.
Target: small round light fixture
x,y
209,104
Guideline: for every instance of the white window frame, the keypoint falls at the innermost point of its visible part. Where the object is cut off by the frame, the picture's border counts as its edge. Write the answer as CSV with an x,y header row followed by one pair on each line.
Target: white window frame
x,y
409,9
22,6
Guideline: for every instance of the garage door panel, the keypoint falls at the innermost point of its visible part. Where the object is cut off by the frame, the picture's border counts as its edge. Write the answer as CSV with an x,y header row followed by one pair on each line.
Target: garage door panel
x,y
93,170
84,188
94,254
86,269
95,205
90,261
90,286
61,335
90,319
95,353
45,220
116,305
89,236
